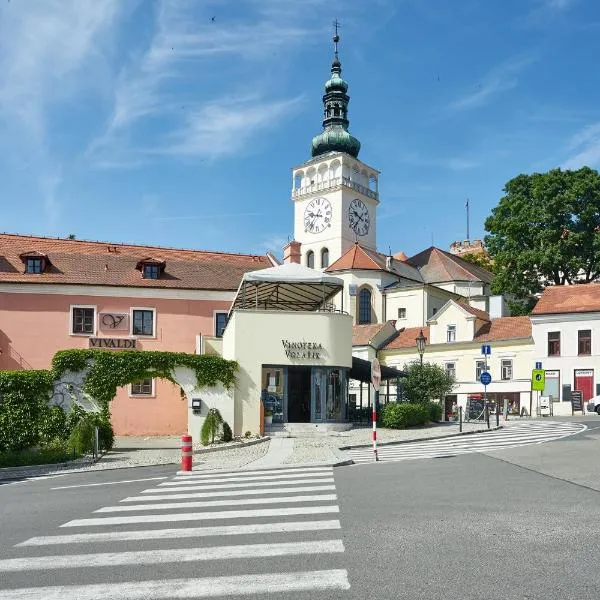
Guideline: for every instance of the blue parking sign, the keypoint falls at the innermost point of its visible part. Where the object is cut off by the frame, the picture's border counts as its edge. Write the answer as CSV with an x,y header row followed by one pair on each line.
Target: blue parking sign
x,y
485,378
486,349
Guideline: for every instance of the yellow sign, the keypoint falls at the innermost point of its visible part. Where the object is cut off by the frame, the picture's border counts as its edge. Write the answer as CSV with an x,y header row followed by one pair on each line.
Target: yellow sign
x,y
538,379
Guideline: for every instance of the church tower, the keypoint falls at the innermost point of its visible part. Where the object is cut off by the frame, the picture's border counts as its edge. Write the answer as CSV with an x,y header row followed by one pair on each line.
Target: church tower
x,y
335,195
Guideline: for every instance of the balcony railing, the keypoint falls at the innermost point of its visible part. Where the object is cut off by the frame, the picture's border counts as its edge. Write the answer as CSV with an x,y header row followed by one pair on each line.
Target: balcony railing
x,y
328,184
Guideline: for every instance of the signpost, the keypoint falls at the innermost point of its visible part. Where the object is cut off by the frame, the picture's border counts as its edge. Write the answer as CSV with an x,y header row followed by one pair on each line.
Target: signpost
x,y
376,381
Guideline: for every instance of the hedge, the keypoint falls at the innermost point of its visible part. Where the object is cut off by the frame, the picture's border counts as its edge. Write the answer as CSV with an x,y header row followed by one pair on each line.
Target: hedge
x,y
399,415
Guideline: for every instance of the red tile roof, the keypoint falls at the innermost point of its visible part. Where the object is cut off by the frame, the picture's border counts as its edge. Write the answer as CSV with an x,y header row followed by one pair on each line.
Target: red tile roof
x,y
406,338
105,263
438,266
504,328
357,258
480,314
363,334
582,297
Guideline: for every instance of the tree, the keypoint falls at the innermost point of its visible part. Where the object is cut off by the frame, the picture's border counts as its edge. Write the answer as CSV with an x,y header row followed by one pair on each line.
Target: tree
x,y
432,382
545,230
481,259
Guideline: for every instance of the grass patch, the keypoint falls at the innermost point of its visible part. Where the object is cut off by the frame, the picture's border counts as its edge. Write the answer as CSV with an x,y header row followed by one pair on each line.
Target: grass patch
x,y
42,456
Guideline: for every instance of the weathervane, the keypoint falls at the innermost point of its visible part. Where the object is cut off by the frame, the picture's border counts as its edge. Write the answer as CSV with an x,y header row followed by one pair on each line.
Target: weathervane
x,y
336,37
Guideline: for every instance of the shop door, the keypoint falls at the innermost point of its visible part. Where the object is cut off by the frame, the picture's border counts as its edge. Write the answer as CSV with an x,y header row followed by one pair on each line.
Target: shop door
x,y
298,394
584,381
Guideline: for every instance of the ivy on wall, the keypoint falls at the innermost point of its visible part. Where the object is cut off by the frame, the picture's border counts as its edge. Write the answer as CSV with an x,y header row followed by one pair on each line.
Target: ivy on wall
x,y
110,370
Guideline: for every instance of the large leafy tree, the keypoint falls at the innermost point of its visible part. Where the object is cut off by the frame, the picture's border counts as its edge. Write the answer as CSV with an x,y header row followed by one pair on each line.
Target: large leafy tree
x,y
430,382
545,230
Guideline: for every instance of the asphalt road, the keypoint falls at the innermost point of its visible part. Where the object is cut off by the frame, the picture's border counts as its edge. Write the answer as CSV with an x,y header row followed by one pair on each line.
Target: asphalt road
x,y
520,523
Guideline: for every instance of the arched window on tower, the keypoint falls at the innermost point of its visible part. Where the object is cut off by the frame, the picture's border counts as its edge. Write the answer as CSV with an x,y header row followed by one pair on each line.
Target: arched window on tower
x,y
324,258
310,259
364,306
336,111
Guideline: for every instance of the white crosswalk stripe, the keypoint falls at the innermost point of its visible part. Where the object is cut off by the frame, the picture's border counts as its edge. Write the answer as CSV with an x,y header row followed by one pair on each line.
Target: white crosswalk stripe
x,y
218,519
521,434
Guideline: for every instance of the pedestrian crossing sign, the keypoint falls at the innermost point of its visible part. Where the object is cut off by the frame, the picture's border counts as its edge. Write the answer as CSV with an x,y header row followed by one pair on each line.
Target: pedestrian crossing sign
x,y
538,379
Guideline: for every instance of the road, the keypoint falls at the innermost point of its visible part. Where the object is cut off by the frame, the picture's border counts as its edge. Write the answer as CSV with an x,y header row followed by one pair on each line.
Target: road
x,y
513,523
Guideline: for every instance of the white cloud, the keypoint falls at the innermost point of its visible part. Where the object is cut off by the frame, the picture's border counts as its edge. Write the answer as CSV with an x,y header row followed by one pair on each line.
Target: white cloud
x,y
499,79
584,147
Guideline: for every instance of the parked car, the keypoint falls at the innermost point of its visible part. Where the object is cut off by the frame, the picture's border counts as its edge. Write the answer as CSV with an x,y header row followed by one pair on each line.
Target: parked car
x,y
594,404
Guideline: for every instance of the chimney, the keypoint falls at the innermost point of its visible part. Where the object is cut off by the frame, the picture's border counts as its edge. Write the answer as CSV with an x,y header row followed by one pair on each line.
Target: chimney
x,y
291,252
388,263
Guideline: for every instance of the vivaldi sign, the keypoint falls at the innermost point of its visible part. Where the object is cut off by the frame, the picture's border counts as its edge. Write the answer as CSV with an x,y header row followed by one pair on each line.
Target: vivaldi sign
x,y
113,343
302,350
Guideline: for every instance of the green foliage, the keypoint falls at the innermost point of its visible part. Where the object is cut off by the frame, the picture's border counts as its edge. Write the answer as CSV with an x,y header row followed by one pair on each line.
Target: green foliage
x,y
53,425
429,383
268,413
56,451
111,370
435,411
227,433
211,427
398,415
81,440
480,259
545,229
248,434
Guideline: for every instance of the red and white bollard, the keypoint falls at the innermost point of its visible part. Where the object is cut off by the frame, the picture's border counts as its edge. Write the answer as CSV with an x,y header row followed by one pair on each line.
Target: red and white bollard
x,y
375,432
186,452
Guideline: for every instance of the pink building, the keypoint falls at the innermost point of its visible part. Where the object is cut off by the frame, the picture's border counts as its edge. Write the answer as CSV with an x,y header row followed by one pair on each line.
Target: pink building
x,y
61,293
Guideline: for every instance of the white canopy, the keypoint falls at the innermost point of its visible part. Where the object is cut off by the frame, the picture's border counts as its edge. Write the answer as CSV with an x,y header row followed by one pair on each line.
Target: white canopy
x,y
287,287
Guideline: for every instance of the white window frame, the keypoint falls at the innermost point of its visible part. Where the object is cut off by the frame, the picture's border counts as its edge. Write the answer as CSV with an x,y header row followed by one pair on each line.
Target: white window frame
x,y
404,309
151,395
502,361
450,328
140,336
477,376
453,370
215,313
95,330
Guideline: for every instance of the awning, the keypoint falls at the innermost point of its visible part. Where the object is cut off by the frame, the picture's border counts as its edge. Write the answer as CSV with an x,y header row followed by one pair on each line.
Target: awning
x,y
287,287
361,371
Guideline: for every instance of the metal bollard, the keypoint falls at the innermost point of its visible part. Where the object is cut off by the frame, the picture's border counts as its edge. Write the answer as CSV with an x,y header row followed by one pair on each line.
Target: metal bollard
x,y
186,452
460,418
497,414
487,416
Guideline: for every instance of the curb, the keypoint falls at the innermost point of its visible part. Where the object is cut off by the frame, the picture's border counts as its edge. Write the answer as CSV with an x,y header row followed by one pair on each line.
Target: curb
x,y
201,451
340,463
416,440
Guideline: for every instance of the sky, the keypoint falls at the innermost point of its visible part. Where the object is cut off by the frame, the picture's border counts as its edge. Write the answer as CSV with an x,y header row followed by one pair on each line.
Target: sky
x,y
177,122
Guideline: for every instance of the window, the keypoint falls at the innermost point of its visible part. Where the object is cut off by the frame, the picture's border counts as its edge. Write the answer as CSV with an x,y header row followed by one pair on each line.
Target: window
x,y
479,368
143,322
584,342
142,388
33,265
220,323
310,259
82,320
402,313
506,370
433,311
451,333
554,343
451,369
151,271
364,306
324,258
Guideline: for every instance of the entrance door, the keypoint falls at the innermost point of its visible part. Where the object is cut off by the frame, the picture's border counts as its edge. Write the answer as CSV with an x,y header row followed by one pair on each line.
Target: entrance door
x,y
298,394
584,381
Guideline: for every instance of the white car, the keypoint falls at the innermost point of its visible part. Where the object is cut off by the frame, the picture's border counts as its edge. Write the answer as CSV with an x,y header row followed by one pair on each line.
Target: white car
x,y
594,404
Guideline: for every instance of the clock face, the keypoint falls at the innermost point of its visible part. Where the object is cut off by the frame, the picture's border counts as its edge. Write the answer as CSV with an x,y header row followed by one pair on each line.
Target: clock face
x,y
317,215
358,217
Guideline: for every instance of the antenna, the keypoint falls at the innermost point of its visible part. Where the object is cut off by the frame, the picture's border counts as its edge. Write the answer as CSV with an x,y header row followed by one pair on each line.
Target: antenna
x,y
467,207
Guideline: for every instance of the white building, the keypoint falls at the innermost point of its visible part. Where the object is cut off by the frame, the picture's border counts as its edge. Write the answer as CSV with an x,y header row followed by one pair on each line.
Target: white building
x,y
566,334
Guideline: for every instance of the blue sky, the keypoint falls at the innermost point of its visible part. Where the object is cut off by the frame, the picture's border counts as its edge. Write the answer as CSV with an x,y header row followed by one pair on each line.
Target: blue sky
x,y
148,122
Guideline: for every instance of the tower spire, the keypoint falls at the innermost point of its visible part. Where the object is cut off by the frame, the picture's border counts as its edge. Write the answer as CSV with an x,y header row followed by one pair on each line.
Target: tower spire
x,y
335,136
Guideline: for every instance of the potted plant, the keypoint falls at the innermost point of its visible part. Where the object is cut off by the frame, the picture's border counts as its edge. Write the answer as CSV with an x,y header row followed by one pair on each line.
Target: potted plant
x,y
268,417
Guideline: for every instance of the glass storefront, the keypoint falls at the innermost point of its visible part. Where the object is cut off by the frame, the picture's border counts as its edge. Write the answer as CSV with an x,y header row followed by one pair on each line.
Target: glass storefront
x,y
305,394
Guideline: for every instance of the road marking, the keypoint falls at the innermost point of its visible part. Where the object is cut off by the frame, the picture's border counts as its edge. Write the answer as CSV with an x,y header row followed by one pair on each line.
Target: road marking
x,y
187,482
231,486
204,475
202,516
67,487
188,532
178,555
215,503
252,492
206,587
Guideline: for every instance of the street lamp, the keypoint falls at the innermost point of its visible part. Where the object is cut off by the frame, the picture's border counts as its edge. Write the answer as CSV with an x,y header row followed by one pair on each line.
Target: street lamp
x,y
420,340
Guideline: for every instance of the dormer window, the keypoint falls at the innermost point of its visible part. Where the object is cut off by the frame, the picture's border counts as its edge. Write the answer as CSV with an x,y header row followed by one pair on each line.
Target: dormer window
x,y
151,268
35,262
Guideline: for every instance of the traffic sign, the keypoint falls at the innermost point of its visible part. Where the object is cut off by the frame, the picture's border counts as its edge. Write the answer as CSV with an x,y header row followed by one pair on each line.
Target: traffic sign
x,y
486,349
538,380
538,365
375,374
485,378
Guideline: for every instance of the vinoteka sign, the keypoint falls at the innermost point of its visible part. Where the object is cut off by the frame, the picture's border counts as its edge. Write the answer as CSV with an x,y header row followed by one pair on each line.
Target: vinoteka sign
x,y
303,350
113,343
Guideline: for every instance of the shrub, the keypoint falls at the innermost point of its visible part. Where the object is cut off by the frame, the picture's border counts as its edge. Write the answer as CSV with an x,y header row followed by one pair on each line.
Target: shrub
x,y
53,425
211,427
401,415
81,440
227,433
248,434
435,411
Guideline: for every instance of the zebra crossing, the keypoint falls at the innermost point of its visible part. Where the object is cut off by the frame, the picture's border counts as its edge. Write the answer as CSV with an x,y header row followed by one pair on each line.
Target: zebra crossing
x,y
522,434
198,535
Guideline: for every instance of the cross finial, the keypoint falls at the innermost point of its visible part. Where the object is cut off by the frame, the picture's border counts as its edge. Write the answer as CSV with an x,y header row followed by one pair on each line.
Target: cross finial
x,y
336,37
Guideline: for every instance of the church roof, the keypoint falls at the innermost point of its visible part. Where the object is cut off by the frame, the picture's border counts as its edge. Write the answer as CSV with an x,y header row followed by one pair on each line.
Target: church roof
x,y
437,266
